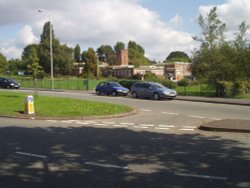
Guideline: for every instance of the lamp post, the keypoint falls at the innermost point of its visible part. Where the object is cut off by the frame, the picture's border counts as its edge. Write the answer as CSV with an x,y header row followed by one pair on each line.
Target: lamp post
x,y
51,52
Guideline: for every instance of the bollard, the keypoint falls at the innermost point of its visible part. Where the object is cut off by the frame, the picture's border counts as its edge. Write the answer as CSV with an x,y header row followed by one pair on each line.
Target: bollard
x,y
29,105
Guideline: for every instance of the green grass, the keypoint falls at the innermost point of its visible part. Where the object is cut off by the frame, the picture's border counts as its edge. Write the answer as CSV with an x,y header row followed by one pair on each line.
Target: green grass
x,y
12,104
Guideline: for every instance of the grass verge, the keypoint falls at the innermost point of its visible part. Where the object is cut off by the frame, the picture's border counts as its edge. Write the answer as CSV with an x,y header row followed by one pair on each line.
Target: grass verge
x,y
12,104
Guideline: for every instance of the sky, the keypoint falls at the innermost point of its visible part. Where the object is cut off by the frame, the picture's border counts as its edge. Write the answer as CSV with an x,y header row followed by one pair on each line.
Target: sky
x,y
159,26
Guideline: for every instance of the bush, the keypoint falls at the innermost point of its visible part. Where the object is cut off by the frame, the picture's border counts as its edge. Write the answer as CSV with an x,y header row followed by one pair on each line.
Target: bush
x,y
168,83
127,83
183,83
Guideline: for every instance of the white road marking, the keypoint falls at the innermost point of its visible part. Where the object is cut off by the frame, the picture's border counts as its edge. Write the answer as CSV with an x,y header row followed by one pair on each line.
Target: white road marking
x,y
140,127
200,176
108,122
146,110
127,123
169,126
217,119
192,116
186,129
67,121
146,125
82,123
31,154
90,121
170,113
162,128
120,125
106,165
189,127
100,124
52,121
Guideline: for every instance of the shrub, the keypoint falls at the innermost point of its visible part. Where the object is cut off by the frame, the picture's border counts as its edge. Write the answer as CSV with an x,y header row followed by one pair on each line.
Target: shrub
x,y
183,83
168,83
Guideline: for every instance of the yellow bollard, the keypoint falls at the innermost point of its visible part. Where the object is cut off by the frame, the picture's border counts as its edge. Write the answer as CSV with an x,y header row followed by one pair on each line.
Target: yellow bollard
x,y
29,105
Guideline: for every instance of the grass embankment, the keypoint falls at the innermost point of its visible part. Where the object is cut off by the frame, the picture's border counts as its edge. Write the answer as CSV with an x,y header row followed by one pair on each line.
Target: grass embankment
x,y
12,104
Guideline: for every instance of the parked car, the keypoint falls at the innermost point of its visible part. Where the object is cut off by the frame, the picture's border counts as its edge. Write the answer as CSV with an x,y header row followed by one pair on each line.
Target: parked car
x,y
111,88
152,90
9,83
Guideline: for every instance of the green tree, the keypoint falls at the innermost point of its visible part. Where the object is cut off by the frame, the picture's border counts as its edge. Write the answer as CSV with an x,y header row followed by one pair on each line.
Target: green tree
x,y
136,54
32,62
3,64
119,46
177,56
91,64
108,52
211,61
62,55
77,53
16,65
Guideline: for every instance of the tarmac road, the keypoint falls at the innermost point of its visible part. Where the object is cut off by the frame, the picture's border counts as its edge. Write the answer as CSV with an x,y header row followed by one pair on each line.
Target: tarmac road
x,y
161,146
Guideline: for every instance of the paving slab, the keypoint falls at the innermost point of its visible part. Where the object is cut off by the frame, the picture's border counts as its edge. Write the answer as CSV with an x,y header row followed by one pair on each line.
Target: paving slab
x,y
227,125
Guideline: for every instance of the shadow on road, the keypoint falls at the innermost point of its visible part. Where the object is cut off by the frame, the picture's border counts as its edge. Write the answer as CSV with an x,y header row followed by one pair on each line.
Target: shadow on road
x,y
98,158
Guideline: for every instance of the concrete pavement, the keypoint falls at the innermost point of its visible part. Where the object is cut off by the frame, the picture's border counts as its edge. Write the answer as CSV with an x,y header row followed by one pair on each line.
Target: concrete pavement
x,y
227,125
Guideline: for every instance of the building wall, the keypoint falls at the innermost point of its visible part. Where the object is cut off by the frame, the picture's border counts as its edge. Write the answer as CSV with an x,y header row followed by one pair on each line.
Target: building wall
x,y
122,57
177,71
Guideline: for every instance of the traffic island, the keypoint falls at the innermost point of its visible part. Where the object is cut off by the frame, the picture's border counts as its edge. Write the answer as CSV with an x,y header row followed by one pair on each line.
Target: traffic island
x,y
227,125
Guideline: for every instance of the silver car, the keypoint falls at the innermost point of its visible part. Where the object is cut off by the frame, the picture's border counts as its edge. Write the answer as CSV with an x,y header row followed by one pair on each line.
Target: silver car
x,y
152,90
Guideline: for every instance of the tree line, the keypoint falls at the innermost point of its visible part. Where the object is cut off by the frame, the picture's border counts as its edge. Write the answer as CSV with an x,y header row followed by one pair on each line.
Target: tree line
x,y
224,63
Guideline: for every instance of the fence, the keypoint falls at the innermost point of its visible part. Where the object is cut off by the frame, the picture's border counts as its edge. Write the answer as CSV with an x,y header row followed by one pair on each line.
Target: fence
x,y
66,84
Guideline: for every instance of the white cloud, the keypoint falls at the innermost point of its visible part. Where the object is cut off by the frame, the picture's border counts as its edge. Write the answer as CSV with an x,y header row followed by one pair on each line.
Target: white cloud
x,y
92,23
232,12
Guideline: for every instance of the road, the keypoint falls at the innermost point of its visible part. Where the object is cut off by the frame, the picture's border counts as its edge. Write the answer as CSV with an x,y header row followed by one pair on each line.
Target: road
x,y
160,146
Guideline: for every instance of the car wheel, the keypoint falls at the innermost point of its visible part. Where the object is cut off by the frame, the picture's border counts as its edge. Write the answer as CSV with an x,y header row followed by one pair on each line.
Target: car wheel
x,y
134,94
98,92
156,96
114,93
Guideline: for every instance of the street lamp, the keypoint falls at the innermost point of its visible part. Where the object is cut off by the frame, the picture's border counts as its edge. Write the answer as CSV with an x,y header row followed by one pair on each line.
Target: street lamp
x,y
51,52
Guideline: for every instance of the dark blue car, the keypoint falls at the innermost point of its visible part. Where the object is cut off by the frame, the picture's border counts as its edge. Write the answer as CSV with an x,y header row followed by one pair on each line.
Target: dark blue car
x,y
111,88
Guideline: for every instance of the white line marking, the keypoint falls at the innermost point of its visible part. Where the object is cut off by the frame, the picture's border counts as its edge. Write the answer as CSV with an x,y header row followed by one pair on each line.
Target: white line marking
x,y
120,125
31,154
200,117
66,121
217,119
186,129
146,125
162,128
52,121
191,127
140,127
90,121
101,124
170,113
108,122
169,126
146,110
127,123
106,165
82,123
201,176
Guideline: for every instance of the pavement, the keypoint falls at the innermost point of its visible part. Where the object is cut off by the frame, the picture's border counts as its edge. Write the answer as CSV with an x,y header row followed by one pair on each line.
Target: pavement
x,y
227,125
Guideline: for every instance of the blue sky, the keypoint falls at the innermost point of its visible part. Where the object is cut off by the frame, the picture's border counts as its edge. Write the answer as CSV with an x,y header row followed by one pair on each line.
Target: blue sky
x,y
159,26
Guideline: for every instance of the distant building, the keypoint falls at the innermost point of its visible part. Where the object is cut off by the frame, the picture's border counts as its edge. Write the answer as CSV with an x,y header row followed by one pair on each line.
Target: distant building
x,y
122,58
177,71
157,70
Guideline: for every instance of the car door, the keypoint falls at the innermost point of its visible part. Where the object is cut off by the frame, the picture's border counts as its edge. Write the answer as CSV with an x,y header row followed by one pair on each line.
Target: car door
x,y
147,90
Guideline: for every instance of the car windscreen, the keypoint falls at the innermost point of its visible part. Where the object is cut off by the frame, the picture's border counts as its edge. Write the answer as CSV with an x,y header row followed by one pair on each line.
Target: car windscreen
x,y
157,86
115,84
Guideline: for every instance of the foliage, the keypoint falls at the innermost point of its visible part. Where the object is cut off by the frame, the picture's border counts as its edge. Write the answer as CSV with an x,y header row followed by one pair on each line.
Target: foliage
x,y
168,83
219,61
136,54
183,82
108,52
119,46
77,53
3,63
177,56
127,83
91,64
32,63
